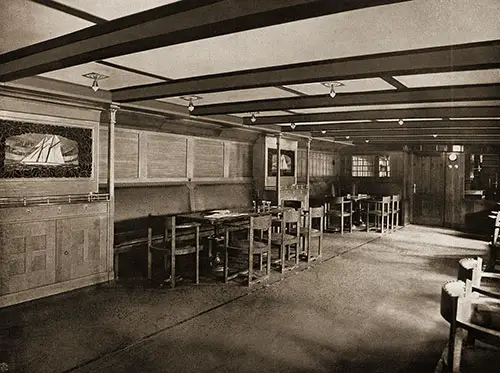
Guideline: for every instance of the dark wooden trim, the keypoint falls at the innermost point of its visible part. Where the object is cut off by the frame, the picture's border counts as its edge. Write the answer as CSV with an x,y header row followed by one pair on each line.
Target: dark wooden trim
x,y
469,56
106,28
441,112
394,82
290,90
158,27
385,127
415,95
130,70
71,11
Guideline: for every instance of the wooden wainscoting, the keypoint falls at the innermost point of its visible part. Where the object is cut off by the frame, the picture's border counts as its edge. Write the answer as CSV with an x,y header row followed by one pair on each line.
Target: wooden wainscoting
x,y
51,249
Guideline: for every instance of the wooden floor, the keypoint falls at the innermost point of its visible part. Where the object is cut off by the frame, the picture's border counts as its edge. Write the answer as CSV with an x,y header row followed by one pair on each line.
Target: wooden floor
x,y
371,305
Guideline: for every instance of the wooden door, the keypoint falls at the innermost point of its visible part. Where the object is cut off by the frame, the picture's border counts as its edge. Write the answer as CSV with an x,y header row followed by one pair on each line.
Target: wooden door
x,y
27,256
81,247
428,189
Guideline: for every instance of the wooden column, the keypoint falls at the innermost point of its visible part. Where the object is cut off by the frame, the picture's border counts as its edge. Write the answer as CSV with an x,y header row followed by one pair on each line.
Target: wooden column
x,y
308,168
278,169
111,186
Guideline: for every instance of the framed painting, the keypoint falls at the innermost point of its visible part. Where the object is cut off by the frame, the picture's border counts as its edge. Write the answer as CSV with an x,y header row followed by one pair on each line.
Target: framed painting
x,y
287,162
35,150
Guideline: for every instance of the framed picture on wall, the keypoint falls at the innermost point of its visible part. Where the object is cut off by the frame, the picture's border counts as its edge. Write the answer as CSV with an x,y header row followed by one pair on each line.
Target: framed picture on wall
x,y
35,150
287,162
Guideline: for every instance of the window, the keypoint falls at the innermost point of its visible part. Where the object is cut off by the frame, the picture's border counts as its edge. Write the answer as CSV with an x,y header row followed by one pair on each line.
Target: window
x,y
363,165
384,166
370,166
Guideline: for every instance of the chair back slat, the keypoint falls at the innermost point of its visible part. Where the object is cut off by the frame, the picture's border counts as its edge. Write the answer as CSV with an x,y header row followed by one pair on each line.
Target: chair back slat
x,y
317,212
291,216
262,222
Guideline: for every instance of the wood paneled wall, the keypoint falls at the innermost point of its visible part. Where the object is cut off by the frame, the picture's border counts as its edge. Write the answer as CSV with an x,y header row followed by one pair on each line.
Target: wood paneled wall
x,y
146,157
322,164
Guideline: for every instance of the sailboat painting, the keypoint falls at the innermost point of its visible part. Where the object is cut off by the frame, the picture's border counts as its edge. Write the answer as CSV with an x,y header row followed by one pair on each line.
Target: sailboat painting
x,y
52,152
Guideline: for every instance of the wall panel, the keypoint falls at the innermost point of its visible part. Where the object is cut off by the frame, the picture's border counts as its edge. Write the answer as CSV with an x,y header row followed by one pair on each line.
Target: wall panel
x,y
208,158
166,156
240,161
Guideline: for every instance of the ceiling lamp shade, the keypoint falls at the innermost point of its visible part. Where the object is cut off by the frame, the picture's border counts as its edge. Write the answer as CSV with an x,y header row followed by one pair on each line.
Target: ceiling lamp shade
x,y
190,100
95,79
332,86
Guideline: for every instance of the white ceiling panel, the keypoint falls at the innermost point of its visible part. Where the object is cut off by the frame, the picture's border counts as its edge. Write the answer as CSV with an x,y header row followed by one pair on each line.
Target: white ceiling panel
x,y
23,23
389,28
357,85
117,78
111,9
263,114
234,96
451,78
341,109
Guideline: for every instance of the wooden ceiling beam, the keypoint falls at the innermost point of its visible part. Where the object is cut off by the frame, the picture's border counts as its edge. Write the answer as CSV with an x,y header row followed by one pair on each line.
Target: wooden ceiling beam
x,y
390,126
166,25
471,56
415,95
441,112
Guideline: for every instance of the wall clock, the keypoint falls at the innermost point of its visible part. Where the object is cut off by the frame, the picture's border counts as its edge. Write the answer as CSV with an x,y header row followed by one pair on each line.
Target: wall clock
x,y
452,156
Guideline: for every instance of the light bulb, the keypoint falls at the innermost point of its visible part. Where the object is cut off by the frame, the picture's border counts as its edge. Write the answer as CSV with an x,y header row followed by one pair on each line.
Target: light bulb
x,y
190,106
332,91
401,121
292,125
95,85
253,119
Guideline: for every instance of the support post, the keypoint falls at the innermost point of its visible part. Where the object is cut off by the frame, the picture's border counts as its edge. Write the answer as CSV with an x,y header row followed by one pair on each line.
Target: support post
x,y
278,169
111,188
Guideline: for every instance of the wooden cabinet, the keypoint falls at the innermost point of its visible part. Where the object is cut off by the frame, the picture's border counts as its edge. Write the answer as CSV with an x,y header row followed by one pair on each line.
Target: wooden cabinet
x,y
49,249
27,256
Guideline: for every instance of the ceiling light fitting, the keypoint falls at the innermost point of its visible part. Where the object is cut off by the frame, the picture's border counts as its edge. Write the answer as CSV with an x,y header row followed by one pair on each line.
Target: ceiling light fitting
x,y
253,118
190,100
95,77
323,132
332,86
401,122
293,125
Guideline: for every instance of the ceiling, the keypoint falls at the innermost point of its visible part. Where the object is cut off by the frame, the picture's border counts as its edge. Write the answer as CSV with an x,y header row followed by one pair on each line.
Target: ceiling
x,y
407,71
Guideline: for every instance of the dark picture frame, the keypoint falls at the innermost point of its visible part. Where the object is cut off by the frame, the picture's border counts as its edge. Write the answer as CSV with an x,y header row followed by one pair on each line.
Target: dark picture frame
x,y
36,150
287,162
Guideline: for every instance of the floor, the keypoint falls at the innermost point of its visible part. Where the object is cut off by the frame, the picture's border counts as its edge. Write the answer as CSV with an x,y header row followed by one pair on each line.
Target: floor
x,y
371,305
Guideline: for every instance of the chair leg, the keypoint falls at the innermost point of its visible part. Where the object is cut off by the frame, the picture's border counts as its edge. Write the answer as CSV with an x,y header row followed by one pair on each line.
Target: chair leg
x,y
197,268
172,267
282,257
350,222
226,256
342,222
250,259
115,266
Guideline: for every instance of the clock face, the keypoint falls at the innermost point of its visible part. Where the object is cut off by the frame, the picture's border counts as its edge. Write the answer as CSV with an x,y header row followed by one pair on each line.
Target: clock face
x,y
452,157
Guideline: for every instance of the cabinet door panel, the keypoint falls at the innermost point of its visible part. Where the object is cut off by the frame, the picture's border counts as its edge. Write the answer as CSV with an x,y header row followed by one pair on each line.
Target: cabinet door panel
x,y
81,247
27,256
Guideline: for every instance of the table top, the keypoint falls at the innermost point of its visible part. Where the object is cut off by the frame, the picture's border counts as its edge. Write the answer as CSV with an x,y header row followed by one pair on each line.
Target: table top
x,y
225,215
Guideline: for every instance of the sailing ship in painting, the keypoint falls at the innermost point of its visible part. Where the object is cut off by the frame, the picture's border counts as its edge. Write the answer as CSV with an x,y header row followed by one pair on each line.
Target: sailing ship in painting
x,y
40,150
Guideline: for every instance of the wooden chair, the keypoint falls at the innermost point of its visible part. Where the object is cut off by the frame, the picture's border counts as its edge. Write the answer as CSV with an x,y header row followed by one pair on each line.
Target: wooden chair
x,y
471,318
178,239
380,211
494,259
313,228
486,283
288,236
338,210
258,226
395,209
